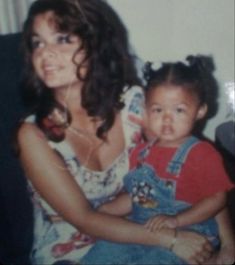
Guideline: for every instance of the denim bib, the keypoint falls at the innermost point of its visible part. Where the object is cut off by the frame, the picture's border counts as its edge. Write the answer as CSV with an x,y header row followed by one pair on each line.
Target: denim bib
x,y
153,195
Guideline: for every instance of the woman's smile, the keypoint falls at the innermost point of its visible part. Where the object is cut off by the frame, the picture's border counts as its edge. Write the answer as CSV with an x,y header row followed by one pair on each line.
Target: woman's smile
x,y
51,70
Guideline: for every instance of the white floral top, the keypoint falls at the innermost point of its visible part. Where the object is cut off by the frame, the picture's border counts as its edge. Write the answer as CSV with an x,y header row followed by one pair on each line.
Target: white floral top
x,y
55,241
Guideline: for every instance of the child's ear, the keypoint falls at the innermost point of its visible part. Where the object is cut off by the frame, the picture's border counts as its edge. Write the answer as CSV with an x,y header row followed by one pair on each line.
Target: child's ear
x,y
202,111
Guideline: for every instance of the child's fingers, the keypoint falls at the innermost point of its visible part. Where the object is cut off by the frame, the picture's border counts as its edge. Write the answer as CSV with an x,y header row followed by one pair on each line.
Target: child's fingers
x,y
148,224
171,223
152,224
159,222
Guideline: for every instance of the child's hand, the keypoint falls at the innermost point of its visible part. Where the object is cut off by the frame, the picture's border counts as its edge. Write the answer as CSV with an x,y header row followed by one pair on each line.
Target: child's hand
x,y
161,221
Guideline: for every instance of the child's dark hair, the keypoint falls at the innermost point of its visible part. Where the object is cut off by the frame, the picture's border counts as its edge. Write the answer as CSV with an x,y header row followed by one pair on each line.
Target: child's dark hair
x,y
196,75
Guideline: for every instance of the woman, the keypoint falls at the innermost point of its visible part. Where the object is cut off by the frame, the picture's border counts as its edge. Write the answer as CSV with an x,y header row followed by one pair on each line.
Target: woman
x,y
86,103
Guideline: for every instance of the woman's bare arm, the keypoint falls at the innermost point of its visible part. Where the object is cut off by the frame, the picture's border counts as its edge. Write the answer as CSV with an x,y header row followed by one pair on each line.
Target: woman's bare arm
x,y
50,178
120,206
47,173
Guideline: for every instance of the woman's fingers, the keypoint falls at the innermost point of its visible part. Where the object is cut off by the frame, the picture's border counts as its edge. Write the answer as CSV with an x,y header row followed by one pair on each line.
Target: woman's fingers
x,y
203,254
192,247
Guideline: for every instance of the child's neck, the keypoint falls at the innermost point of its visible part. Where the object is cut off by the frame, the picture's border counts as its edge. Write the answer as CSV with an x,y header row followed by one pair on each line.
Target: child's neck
x,y
172,144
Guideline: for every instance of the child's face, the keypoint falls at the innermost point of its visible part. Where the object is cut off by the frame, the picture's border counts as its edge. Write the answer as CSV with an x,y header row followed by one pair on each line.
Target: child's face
x,y
171,113
53,53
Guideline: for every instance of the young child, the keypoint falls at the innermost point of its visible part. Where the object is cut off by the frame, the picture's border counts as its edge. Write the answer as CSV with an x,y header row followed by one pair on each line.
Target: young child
x,y
176,180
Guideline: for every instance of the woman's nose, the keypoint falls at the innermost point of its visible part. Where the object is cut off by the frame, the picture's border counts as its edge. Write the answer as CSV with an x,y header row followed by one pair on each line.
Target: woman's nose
x,y
49,51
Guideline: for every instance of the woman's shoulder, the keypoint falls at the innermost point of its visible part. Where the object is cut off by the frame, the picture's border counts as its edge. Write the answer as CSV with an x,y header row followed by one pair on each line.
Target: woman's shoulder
x,y
134,89
134,104
29,131
134,94
132,114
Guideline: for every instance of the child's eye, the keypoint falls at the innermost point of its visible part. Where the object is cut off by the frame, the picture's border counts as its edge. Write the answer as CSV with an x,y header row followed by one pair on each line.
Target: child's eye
x,y
180,110
157,110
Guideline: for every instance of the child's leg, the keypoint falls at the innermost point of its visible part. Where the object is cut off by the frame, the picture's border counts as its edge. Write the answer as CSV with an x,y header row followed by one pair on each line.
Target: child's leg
x,y
108,253
159,255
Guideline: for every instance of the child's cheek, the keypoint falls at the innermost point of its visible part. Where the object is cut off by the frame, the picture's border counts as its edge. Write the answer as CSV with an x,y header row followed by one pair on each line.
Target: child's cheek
x,y
149,132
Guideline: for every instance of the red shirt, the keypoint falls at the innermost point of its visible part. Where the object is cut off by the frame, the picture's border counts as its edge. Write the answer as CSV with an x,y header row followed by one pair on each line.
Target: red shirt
x,y
202,174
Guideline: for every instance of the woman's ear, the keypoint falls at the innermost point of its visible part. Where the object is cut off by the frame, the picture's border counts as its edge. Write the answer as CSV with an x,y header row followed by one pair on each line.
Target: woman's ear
x,y
202,111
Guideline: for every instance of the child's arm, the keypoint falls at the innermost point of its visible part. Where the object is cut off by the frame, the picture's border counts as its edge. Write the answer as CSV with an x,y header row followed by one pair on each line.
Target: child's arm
x,y
120,206
199,212
202,210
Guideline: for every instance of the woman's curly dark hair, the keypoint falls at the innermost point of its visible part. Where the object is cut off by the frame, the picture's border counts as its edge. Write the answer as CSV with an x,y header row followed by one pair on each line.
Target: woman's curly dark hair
x,y
196,75
111,66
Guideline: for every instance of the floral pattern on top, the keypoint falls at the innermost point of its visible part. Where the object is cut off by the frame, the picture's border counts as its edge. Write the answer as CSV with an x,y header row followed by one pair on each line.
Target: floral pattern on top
x,y
58,240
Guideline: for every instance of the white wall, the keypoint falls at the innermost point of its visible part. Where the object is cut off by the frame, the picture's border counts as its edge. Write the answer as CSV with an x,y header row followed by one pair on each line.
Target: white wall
x,y
163,30
12,15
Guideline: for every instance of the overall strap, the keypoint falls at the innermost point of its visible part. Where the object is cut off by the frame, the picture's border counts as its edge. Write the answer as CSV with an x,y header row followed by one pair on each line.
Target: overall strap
x,y
174,166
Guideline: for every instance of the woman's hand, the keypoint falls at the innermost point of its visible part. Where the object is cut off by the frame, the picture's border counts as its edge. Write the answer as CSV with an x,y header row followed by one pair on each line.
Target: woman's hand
x,y
192,247
225,256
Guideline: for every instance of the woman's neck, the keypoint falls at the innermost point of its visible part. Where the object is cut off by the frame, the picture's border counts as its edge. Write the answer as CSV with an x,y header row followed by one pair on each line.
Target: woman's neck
x,y
70,98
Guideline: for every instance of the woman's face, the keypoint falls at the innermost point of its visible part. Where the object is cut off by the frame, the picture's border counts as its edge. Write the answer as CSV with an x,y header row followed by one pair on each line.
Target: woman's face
x,y
53,53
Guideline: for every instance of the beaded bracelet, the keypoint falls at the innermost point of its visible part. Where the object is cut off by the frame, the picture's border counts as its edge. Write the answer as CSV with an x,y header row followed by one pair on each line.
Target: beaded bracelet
x,y
174,239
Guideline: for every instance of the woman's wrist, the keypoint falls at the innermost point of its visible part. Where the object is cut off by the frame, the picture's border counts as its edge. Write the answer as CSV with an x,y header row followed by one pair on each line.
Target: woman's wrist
x,y
174,239
177,220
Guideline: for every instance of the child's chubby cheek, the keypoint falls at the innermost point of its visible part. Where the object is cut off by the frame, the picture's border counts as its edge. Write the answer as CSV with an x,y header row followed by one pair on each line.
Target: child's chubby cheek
x,y
148,134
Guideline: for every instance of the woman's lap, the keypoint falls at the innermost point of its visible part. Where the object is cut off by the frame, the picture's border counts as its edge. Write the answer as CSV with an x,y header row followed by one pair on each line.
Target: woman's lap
x,y
105,253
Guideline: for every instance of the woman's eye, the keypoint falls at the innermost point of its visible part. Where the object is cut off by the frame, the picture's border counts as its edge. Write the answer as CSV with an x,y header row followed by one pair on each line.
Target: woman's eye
x,y
64,39
36,43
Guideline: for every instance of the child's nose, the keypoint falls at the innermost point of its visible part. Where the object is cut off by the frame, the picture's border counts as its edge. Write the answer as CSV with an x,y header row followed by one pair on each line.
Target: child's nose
x,y
167,117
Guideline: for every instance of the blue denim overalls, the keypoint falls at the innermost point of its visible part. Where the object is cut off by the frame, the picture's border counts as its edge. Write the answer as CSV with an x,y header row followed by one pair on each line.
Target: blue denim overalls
x,y
151,195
